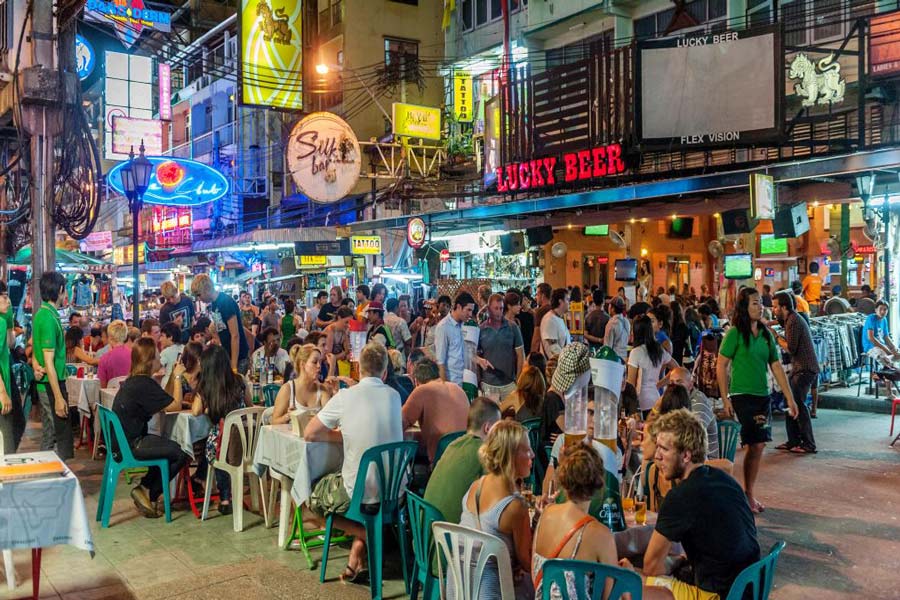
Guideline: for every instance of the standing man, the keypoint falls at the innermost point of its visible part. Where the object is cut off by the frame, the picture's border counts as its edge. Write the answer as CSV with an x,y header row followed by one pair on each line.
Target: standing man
x,y
618,329
876,337
50,355
798,342
501,352
312,317
362,299
554,333
595,322
178,309
378,331
403,308
542,297
399,329
449,344
225,316
766,297
326,313
270,315
812,288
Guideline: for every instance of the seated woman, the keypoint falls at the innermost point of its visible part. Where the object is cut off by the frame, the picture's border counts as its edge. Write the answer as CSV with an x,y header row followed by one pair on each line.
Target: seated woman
x,y
219,391
138,399
567,530
494,505
304,391
527,401
74,352
190,360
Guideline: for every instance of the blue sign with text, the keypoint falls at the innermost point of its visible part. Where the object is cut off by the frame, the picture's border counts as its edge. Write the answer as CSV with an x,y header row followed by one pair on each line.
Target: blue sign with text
x,y
85,57
176,182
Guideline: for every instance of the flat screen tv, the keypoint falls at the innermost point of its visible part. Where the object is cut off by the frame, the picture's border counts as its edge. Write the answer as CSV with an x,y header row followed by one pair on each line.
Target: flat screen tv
x,y
681,228
769,244
738,266
596,230
626,269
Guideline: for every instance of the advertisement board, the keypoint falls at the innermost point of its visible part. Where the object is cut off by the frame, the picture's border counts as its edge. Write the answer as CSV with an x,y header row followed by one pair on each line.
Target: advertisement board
x,y
97,241
463,100
721,89
271,53
884,44
762,196
128,17
324,158
491,140
165,91
411,120
127,92
365,244
85,57
128,134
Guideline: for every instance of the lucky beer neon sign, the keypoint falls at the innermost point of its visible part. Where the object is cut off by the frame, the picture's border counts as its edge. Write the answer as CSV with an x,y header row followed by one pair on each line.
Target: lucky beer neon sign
x,y
583,165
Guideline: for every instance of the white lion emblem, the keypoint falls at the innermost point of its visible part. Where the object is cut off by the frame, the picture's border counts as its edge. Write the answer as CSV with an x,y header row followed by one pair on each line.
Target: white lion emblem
x,y
820,83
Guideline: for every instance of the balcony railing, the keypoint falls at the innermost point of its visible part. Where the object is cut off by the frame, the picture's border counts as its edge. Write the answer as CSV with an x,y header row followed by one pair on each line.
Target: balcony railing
x,y
330,18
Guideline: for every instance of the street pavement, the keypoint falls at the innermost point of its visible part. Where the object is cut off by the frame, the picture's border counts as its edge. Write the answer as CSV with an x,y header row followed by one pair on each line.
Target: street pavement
x,y
838,511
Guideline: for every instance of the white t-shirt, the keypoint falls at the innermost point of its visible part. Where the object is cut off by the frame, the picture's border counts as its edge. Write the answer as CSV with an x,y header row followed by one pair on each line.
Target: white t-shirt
x,y
368,414
649,375
167,359
282,358
554,334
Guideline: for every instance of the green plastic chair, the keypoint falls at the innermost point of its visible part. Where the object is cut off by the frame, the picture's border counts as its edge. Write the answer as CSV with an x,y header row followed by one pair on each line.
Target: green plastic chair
x,y
729,434
115,436
421,515
445,441
625,581
390,463
270,391
71,370
536,479
758,576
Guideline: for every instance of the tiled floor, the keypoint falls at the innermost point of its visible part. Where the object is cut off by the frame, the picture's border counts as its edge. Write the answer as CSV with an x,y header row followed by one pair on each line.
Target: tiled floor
x,y
839,511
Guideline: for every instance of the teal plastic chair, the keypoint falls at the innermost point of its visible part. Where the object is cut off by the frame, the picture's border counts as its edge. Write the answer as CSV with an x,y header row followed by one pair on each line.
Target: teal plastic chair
x,y
421,515
270,391
729,434
71,370
758,576
23,377
536,479
445,441
390,463
625,581
112,432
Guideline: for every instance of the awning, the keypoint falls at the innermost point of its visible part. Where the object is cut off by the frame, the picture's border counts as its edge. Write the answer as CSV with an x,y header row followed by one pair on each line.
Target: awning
x,y
265,239
63,257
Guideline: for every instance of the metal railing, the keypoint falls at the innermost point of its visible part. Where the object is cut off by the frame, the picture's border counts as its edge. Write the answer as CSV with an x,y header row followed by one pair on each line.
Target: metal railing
x,y
331,17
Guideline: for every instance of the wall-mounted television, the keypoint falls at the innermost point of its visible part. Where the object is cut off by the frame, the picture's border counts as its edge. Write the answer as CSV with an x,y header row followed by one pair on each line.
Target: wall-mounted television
x,y
596,230
681,228
769,244
738,266
626,269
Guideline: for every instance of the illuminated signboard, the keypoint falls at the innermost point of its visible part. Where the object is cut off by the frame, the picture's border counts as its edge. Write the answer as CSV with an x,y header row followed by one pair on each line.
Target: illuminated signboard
x,y
310,261
127,92
97,241
176,182
463,103
271,53
365,244
415,232
123,254
128,134
323,157
129,17
415,121
85,57
165,92
884,44
583,165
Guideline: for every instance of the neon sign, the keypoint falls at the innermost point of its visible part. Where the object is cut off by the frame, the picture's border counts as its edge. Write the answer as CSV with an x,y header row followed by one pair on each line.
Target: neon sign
x,y
176,182
129,17
583,165
85,57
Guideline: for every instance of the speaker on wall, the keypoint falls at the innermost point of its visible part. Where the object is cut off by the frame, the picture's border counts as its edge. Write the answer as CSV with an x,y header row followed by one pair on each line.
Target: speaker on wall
x,y
791,222
737,221
538,236
512,243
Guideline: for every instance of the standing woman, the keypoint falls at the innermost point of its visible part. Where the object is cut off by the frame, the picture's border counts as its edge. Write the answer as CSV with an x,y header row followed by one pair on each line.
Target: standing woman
x,y
749,348
7,414
304,390
646,363
681,335
219,391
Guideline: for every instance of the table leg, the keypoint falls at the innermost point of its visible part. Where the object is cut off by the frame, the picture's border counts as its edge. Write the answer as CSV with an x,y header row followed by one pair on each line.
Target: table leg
x,y
284,515
36,573
10,568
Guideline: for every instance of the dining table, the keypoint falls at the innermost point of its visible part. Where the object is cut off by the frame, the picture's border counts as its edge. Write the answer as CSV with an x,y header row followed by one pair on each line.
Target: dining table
x,y
84,393
184,428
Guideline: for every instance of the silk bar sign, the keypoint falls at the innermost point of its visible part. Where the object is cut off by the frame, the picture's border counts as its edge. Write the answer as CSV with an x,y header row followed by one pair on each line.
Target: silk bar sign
x,y
583,165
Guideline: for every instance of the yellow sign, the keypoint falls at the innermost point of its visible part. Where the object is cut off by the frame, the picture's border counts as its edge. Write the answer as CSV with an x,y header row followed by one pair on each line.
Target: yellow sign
x,y
272,53
575,318
415,121
124,256
365,244
463,101
310,261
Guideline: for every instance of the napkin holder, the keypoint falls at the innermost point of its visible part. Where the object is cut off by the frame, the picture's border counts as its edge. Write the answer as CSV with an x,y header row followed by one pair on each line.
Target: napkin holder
x,y
299,419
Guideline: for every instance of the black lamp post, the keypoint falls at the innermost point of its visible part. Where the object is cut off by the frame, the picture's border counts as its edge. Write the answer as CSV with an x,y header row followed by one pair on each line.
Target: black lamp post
x,y
135,180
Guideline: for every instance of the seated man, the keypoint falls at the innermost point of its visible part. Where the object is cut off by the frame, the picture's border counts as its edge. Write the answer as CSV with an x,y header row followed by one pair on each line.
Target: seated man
x,y
707,512
876,337
271,351
439,407
701,406
459,466
362,416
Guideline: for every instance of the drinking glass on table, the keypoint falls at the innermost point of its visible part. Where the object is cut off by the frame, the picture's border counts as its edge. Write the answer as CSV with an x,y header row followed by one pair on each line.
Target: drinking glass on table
x,y
640,510
628,504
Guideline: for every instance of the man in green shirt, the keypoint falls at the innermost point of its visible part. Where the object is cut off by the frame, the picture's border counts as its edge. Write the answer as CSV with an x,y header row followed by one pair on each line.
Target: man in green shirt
x,y
459,466
50,356
7,413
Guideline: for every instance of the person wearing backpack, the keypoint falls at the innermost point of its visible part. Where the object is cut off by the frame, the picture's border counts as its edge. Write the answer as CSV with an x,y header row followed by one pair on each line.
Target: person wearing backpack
x,y
378,331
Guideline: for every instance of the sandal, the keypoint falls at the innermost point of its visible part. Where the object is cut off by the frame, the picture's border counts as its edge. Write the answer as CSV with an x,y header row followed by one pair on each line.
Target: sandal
x,y
785,446
802,450
757,507
350,575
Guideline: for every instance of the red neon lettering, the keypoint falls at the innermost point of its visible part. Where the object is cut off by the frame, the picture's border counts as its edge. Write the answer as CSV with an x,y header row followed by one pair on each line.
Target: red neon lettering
x,y
614,155
512,177
537,178
584,164
571,167
599,157
550,167
501,182
524,180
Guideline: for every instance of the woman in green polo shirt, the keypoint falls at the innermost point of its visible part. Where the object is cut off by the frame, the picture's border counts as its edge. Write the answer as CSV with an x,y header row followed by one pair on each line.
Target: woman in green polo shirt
x,y
750,350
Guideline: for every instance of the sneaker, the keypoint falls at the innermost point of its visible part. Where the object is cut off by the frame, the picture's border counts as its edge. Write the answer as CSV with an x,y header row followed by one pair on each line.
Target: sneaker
x,y
143,503
225,509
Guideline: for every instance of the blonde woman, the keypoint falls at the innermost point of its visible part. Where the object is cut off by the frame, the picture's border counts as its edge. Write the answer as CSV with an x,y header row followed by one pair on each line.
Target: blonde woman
x,y
304,390
493,504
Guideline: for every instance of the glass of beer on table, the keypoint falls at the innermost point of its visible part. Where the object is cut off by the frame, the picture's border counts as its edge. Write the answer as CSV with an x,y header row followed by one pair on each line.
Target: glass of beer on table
x,y
576,416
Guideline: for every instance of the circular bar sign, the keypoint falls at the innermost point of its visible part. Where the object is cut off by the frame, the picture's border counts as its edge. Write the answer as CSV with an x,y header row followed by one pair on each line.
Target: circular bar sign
x,y
85,57
176,182
415,233
324,158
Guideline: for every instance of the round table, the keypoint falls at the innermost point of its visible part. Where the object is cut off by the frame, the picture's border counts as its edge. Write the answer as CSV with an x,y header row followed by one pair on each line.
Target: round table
x,y
84,393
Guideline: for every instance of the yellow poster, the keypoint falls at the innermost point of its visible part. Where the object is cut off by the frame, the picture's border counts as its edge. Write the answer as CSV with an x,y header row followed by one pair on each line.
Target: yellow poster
x,y
272,53
463,101
575,318
415,121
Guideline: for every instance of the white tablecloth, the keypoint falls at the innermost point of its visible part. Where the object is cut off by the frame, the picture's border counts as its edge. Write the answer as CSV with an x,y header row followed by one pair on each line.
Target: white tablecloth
x,y
290,455
43,512
107,396
83,393
185,429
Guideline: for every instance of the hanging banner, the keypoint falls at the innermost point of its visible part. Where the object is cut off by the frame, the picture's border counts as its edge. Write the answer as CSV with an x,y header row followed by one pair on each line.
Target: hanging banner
x,y
165,92
365,244
324,158
411,120
463,102
271,53
762,196
128,134
97,241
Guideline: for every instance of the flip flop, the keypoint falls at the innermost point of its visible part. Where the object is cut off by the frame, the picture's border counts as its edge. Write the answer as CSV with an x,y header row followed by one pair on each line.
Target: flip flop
x,y
757,507
785,446
802,450
350,575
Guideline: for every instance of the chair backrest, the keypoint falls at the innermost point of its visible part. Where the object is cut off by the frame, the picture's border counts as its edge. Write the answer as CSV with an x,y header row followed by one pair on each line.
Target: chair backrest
x,y
266,418
112,430
464,554
570,578
245,422
421,515
729,433
71,370
115,382
445,441
758,576
23,375
270,391
390,463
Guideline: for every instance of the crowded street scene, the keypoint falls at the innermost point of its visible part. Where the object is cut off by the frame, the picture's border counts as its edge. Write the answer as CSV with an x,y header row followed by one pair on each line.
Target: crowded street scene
x,y
458,299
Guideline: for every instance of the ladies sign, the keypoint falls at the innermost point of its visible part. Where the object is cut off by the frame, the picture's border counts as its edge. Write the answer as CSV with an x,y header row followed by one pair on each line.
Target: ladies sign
x,y
324,158
176,182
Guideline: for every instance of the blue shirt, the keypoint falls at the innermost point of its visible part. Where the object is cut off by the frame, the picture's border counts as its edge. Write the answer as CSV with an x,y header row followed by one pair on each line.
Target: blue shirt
x,y
450,348
876,325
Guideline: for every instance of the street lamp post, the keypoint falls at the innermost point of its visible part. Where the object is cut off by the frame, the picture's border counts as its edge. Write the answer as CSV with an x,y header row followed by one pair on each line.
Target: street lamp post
x,y
135,180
